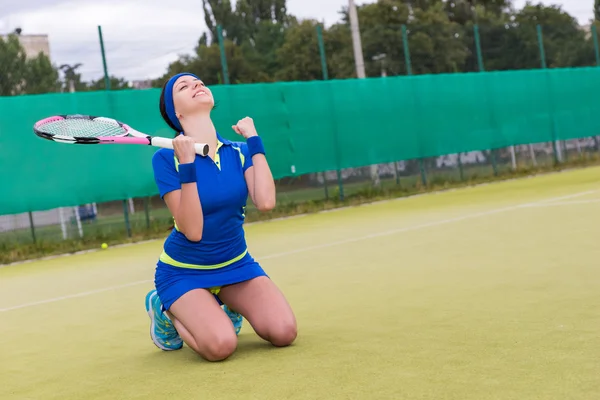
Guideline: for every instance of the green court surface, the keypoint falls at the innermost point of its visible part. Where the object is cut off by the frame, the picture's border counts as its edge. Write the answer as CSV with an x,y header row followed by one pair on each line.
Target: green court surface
x,y
490,292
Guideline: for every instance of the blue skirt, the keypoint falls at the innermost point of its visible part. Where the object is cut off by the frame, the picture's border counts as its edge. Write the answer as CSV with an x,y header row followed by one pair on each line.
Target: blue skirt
x,y
173,282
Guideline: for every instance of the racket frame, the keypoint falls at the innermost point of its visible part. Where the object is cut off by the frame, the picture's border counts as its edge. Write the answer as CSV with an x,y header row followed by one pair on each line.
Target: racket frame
x,y
136,137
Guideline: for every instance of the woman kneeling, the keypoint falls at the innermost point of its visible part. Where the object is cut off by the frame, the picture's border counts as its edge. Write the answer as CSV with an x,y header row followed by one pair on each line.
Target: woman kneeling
x,y
206,280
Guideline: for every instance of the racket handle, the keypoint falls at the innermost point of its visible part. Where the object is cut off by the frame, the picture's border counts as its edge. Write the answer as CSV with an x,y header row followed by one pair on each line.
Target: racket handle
x,y
201,148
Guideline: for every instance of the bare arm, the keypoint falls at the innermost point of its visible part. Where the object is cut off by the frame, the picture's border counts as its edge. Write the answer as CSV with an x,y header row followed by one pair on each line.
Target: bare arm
x,y
261,184
184,204
185,207
259,178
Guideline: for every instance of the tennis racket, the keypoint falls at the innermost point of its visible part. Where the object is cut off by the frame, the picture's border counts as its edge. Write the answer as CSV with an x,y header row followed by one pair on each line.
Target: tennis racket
x,y
87,129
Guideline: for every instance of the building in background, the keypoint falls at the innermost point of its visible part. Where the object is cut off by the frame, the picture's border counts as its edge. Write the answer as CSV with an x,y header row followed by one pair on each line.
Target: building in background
x,y
33,44
141,84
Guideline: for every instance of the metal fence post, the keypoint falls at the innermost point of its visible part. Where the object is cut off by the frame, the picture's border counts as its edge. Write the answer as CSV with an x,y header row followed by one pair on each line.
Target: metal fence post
x,y
409,72
326,77
223,56
555,142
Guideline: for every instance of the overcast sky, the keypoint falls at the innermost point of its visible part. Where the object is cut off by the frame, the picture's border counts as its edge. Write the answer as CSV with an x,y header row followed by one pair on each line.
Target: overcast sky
x,y
141,47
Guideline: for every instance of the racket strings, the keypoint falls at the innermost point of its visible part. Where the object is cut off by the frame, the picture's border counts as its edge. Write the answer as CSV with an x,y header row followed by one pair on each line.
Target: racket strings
x,y
79,127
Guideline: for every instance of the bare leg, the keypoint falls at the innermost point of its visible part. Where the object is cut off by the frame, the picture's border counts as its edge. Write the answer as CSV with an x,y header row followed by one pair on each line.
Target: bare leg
x,y
184,333
264,306
203,325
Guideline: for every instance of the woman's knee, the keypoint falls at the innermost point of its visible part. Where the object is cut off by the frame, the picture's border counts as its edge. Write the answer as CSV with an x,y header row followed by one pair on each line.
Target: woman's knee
x,y
219,347
283,333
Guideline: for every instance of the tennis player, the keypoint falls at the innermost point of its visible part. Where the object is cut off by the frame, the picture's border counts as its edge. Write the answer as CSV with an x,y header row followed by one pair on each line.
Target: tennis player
x,y
206,279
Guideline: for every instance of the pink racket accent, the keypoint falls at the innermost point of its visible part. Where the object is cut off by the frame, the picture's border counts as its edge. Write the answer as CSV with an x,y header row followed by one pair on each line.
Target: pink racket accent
x,y
48,120
85,129
123,140
134,133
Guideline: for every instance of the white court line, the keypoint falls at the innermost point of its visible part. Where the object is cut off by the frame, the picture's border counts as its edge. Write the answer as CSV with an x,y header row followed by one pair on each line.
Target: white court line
x,y
427,225
330,244
73,296
567,203
335,209
567,197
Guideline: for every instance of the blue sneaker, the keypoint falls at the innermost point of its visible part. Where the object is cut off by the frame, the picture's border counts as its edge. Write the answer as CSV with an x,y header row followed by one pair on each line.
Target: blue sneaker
x,y
163,333
235,317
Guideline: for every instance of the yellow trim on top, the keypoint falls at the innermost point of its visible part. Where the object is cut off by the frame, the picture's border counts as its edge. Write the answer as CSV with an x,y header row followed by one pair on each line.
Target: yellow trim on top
x,y
242,158
217,155
164,257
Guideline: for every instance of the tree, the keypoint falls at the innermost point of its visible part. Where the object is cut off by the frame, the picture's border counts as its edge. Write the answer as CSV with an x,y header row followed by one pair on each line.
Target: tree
x,y
71,77
381,34
509,38
436,43
516,44
264,43
565,42
261,51
220,12
340,55
116,83
492,27
20,75
206,64
74,83
298,56
242,23
13,61
597,10
253,14
252,33
40,76
462,11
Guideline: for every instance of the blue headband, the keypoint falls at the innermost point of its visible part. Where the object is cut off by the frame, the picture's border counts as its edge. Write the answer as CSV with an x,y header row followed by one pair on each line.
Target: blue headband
x,y
169,105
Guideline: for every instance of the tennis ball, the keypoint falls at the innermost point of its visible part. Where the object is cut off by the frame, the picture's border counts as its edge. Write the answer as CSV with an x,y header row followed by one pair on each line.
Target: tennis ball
x,y
104,246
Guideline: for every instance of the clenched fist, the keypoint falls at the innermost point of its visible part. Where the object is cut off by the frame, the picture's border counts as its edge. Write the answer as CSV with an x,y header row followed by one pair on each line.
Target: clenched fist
x,y
185,149
245,127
